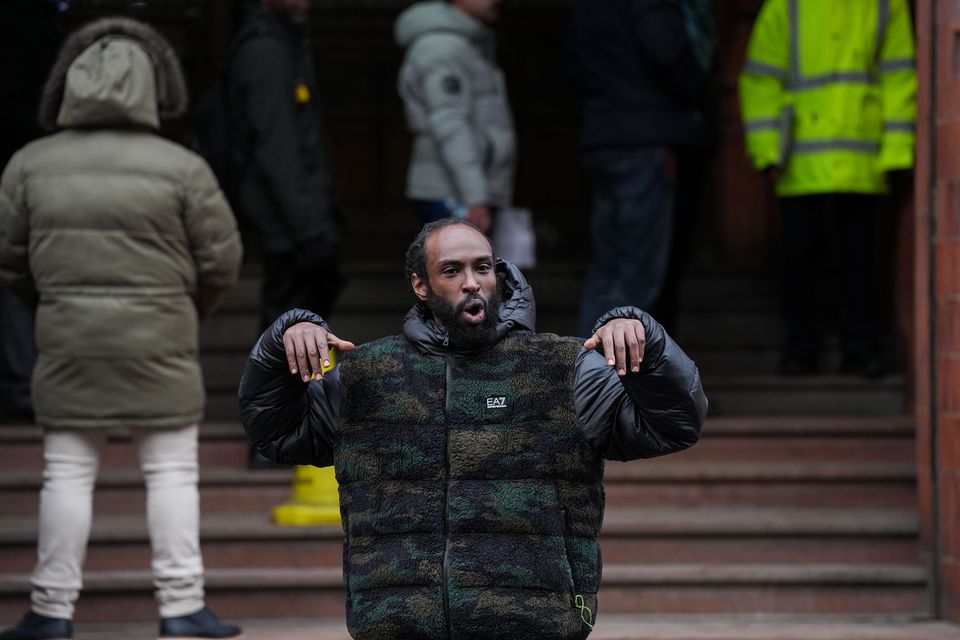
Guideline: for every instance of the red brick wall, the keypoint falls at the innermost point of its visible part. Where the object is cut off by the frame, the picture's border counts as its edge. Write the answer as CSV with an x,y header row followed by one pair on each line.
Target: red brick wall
x,y
937,254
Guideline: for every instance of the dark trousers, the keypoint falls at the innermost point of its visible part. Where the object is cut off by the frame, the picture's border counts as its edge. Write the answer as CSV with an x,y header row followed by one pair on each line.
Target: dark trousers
x,y
836,263
17,357
288,285
631,227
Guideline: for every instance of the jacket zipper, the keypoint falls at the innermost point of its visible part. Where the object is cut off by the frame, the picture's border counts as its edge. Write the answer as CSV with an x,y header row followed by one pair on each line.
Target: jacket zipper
x,y
566,556
446,500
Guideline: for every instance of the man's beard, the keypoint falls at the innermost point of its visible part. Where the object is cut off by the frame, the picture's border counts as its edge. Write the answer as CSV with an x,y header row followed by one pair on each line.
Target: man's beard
x,y
466,336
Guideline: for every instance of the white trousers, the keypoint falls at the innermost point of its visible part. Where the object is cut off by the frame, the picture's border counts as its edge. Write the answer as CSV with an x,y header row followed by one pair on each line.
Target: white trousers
x,y
168,460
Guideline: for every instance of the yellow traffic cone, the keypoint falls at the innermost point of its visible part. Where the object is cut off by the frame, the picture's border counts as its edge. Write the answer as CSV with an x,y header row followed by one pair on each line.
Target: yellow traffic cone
x,y
315,498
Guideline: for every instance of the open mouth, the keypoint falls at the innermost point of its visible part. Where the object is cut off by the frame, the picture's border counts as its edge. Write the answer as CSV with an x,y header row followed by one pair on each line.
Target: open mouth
x,y
474,311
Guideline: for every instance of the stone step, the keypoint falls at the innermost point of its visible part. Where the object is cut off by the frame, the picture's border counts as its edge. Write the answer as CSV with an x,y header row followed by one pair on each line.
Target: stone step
x,y
221,445
881,589
717,361
608,627
223,358
654,536
805,395
739,438
121,490
740,328
775,424
656,482
729,395
812,484
894,424
720,286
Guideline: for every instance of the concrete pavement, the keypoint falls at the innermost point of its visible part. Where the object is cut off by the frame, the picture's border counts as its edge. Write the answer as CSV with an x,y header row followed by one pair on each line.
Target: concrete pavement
x,y
612,627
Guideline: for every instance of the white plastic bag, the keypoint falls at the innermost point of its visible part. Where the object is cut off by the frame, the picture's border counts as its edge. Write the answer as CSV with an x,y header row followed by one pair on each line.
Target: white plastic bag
x,y
513,237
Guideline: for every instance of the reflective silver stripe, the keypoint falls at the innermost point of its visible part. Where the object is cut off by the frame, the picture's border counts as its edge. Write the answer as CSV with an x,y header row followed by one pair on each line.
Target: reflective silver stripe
x,y
815,146
883,18
794,41
762,124
848,77
903,126
899,64
763,69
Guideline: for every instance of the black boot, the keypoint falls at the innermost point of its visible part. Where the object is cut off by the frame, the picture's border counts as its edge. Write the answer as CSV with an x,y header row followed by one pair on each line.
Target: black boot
x,y
202,624
34,626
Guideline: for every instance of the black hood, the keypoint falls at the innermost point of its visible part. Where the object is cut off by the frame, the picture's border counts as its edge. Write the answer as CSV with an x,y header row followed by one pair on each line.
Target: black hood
x,y
518,310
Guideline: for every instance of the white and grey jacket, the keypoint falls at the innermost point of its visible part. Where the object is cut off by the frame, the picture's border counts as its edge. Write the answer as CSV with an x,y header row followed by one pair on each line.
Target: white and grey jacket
x,y
456,105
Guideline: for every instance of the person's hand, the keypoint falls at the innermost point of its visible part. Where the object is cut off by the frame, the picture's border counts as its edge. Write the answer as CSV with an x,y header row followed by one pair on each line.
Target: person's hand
x,y
479,214
620,338
901,184
307,345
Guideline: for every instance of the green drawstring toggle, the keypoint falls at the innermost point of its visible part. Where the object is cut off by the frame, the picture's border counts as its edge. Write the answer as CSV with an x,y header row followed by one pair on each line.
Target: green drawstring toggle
x,y
585,614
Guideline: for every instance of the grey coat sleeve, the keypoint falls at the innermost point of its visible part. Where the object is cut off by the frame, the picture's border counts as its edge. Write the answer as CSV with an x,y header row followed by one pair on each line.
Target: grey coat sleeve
x,y
286,419
214,238
447,96
657,411
15,235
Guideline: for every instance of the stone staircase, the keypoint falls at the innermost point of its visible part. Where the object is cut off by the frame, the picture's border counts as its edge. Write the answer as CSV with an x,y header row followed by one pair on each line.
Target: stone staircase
x,y
798,504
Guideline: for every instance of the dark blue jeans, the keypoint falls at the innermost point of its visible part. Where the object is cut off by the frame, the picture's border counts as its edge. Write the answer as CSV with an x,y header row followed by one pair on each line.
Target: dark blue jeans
x,y
433,210
632,228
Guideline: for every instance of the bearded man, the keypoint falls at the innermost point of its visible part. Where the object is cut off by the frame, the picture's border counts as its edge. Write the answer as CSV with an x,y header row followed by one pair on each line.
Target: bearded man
x,y
470,449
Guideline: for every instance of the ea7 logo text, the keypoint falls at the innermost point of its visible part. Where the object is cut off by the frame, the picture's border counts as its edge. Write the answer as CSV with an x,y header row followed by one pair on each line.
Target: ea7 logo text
x,y
497,402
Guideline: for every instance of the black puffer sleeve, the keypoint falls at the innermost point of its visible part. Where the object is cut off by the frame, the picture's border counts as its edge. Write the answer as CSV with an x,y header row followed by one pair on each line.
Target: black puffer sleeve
x,y
286,419
653,412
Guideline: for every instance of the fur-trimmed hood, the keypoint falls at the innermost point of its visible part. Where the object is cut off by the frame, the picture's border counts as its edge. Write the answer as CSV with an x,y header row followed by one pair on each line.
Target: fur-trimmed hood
x,y
132,77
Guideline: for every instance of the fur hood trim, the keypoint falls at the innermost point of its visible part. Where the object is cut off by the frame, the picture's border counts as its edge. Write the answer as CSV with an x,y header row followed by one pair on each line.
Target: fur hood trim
x,y
171,86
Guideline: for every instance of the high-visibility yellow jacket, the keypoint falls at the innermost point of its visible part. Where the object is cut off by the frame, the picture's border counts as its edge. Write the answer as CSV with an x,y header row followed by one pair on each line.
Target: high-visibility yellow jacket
x,y
828,94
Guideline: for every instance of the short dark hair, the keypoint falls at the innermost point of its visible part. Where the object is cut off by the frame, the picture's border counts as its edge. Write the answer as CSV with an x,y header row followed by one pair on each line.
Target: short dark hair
x,y
416,258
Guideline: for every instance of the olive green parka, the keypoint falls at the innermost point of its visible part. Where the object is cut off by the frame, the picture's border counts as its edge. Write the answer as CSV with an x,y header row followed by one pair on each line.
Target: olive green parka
x,y
120,238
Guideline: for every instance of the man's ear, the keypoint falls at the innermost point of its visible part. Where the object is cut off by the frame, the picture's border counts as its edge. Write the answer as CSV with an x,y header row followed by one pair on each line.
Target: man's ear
x,y
419,287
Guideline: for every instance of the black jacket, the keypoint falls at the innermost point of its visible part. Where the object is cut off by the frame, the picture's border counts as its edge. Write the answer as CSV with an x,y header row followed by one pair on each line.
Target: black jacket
x,y
285,192
641,82
422,451
657,411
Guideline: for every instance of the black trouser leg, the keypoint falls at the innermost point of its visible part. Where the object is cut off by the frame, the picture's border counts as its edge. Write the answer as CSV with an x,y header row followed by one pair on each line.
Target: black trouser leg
x,y
286,285
866,283
802,262
17,356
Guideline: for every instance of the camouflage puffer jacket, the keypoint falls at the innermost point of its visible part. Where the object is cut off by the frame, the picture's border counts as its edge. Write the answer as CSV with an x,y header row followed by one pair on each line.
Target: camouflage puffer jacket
x,y
470,484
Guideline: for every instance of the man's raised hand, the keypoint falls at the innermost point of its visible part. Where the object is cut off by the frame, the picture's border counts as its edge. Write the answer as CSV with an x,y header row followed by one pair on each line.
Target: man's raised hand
x,y
307,345
620,338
